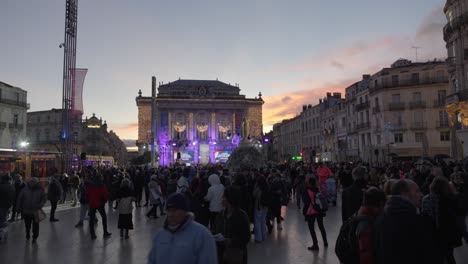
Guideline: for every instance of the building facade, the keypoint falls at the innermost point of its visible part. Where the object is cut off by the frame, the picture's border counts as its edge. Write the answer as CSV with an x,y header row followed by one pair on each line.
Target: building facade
x,y
397,112
456,37
198,121
90,137
13,108
412,121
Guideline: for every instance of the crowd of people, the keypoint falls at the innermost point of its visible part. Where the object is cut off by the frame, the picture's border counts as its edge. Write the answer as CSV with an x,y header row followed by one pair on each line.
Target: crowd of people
x,y
392,213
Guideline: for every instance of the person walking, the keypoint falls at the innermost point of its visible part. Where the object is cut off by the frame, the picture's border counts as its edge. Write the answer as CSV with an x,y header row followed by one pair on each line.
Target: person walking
x,y
442,207
179,228
7,196
97,195
63,180
125,201
54,194
323,173
352,196
233,229
261,202
19,185
84,208
402,235
31,199
313,212
73,183
215,197
155,198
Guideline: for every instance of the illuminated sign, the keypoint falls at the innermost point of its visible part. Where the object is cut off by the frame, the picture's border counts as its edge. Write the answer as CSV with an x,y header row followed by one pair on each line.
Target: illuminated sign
x,y
222,156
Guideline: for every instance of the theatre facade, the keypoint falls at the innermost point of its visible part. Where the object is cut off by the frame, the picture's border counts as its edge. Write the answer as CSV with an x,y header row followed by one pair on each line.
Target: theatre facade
x,y
198,121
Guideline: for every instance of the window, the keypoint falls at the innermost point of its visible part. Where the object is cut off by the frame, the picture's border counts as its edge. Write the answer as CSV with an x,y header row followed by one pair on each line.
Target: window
x,y
441,94
379,140
445,136
443,118
418,137
15,119
417,97
395,98
415,78
363,139
395,81
398,137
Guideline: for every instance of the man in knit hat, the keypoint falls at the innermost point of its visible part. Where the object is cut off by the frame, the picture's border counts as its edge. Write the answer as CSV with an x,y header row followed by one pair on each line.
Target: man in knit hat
x,y
182,240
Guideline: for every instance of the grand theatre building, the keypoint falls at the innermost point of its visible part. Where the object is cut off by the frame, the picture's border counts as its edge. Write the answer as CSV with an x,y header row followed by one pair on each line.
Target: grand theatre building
x,y
197,121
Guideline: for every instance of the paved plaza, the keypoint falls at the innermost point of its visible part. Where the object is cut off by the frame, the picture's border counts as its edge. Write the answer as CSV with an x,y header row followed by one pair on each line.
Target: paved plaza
x,y
61,242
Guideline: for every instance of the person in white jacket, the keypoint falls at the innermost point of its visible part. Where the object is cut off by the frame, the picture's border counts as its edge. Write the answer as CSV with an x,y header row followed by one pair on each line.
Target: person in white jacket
x,y
215,197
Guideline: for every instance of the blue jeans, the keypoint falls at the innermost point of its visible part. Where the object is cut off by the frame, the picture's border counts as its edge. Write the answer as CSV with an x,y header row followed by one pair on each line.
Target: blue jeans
x,y
260,224
298,200
83,210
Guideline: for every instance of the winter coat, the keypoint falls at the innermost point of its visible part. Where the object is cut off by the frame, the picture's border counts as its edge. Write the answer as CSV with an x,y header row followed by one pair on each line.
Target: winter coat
x,y
31,198
124,200
7,195
309,200
74,181
365,235
215,194
323,173
96,194
155,192
191,243
444,212
403,236
82,193
236,228
54,191
182,185
352,199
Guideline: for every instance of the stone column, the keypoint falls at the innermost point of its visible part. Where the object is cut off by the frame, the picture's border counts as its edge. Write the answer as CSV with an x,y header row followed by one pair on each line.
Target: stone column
x,y
190,127
169,125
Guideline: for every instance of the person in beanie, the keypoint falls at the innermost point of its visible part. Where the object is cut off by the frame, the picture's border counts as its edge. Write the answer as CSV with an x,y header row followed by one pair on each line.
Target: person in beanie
x,y
182,240
31,199
97,196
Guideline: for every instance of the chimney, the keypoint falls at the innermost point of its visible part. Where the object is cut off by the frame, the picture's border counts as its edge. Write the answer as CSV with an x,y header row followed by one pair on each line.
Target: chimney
x,y
329,95
366,76
337,95
320,101
309,106
304,107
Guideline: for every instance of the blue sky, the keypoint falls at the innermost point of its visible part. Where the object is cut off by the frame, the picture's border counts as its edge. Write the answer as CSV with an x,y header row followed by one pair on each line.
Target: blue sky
x,y
291,51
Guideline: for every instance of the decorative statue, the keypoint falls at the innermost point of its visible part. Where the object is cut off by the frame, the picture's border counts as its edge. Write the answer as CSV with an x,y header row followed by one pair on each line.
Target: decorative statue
x,y
245,130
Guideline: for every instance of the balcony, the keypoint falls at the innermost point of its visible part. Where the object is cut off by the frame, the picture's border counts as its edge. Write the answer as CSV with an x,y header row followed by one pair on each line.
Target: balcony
x,y
362,106
439,103
451,64
13,102
376,109
417,104
454,25
397,106
407,83
3,125
364,125
418,126
397,127
443,124
457,97
15,126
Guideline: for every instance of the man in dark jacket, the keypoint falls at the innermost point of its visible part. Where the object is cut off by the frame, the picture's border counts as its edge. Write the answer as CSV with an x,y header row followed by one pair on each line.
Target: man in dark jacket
x,y
7,196
30,200
352,196
19,185
402,235
97,196
54,194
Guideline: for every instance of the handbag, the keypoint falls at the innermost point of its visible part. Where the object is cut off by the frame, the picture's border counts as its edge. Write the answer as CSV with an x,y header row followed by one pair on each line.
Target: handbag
x,y
39,215
233,255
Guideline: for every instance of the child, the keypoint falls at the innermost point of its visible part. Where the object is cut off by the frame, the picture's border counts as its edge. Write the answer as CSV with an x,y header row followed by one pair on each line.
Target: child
x,y
125,207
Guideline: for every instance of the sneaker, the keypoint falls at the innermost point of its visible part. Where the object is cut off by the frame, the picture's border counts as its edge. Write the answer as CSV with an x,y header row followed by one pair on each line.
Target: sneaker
x,y
163,214
313,248
107,234
54,220
93,237
280,226
34,240
325,244
80,224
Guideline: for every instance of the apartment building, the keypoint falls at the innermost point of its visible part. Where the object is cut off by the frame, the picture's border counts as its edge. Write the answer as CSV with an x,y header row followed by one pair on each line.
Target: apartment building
x,y
13,108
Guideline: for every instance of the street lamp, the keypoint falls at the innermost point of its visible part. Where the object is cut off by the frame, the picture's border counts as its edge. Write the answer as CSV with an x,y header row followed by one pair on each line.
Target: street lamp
x,y
24,144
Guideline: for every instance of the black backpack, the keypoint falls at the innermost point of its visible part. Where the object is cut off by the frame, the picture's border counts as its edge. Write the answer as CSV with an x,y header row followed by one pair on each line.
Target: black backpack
x,y
346,247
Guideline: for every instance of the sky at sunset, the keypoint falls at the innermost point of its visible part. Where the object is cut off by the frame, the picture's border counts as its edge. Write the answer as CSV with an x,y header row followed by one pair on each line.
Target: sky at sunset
x,y
292,51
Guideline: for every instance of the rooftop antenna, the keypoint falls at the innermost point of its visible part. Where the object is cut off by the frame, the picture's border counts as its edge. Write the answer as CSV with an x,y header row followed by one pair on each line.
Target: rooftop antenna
x,y
416,51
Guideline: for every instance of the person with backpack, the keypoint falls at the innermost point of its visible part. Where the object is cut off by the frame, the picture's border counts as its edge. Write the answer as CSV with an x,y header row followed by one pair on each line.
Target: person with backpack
x,y
315,207
355,242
